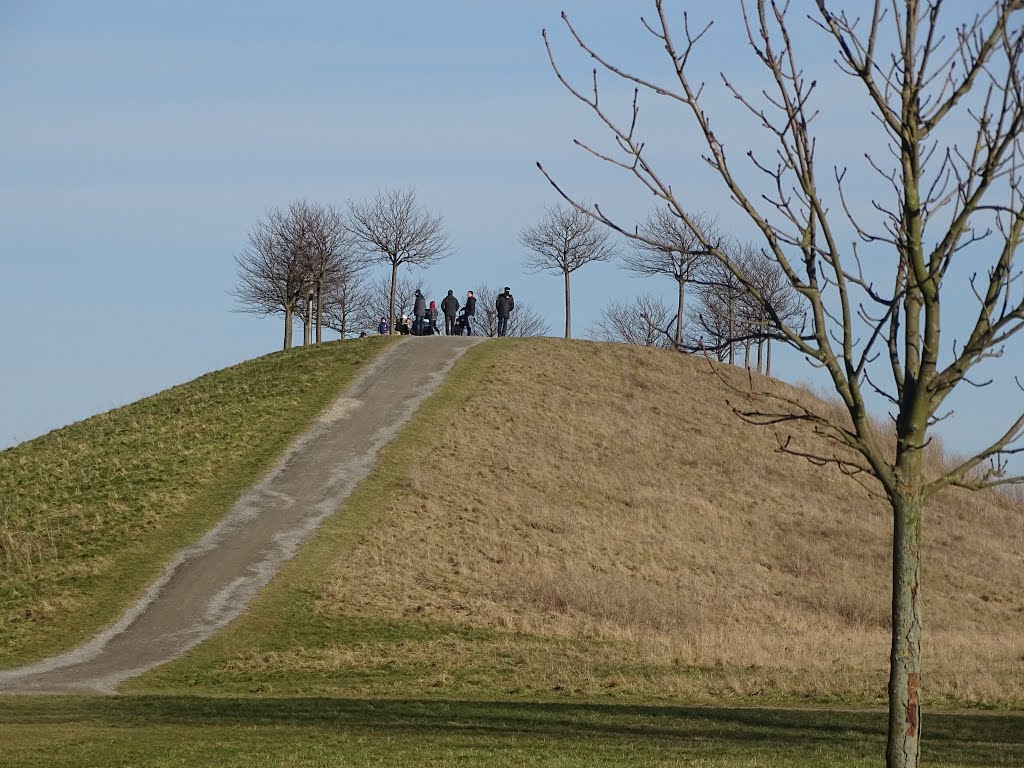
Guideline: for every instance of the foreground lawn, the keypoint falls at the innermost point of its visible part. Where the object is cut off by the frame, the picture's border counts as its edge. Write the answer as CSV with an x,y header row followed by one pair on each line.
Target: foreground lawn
x,y
90,513
187,731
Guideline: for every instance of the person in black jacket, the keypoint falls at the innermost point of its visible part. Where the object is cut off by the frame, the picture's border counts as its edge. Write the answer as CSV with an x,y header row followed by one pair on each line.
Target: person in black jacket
x,y
504,305
419,311
450,308
468,311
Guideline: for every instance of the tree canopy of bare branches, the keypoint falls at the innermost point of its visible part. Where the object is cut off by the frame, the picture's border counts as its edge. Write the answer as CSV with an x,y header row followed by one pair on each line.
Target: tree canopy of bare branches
x,y
525,320
396,229
644,321
272,270
330,261
375,300
344,304
948,98
564,240
666,246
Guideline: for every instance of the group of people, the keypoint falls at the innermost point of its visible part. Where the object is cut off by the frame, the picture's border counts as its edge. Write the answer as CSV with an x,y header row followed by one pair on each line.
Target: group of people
x,y
457,319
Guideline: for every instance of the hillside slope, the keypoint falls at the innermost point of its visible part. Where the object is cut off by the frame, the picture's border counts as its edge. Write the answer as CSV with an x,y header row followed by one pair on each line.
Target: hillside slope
x,y
89,514
593,520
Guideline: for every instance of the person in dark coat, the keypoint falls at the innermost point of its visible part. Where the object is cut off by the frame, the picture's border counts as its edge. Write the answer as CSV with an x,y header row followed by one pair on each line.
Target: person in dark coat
x,y
384,326
469,311
450,308
504,305
419,311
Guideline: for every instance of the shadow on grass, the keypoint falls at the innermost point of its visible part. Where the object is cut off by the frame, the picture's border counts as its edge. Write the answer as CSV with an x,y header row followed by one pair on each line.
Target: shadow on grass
x,y
966,739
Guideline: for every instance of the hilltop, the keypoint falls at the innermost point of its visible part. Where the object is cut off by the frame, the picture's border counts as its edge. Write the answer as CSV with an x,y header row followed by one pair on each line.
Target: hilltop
x,y
592,520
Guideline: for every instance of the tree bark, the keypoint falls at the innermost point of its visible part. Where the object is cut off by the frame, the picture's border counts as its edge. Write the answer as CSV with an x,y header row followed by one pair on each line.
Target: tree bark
x,y
319,311
287,328
568,313
768,358
904,741
679,315
391,303
732,344
307,329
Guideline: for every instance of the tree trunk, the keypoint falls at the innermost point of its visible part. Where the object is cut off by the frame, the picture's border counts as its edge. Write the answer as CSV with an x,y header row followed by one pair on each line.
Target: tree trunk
x,y
307,326
732,353
760,354
391,304
904,742
287,327
679,315
768,357
568,313
319,311
746,355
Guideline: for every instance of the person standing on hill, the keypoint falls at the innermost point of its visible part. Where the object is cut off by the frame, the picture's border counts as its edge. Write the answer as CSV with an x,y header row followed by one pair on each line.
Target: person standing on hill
x,y
450,308
504,305
432,320
419,311
469,310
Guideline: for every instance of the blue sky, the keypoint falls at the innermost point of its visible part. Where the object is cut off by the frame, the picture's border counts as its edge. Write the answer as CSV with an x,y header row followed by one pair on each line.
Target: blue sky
x,y
140,141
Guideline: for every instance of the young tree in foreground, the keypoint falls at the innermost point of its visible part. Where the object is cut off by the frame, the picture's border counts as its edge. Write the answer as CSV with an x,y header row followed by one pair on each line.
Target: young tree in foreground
x,y
645,321
525,321
272,270
563,241
949,99
668,247
397,230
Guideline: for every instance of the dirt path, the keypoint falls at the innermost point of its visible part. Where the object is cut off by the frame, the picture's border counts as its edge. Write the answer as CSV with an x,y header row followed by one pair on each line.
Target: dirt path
x,y
212,581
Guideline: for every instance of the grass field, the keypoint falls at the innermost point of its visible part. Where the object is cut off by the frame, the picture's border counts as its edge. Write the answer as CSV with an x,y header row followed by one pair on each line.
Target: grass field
x,y
270,732
598,565
627,542
90,513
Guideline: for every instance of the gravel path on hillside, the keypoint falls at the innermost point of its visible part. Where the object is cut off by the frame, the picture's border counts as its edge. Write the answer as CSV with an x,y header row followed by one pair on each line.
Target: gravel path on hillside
x,y
211,582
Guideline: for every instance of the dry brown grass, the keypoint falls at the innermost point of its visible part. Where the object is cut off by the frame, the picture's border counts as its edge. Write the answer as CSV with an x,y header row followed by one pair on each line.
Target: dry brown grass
x,y
603,492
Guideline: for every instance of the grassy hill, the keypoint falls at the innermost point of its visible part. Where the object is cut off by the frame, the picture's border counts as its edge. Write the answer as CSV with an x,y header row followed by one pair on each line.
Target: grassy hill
x,y
591,521
89,514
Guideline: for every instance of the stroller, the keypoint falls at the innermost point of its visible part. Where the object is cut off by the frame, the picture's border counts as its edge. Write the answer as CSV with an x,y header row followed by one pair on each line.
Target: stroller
x,y
460,325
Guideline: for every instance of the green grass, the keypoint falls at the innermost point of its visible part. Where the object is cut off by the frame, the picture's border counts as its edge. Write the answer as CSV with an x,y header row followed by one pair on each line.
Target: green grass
x,y
283,620
185,731
287,644
90,513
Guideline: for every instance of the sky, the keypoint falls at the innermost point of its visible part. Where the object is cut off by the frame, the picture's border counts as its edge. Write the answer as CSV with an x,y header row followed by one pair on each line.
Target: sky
x,y
141,140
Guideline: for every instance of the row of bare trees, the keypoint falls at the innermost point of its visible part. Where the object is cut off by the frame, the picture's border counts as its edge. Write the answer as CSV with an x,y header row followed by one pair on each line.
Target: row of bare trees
x,y
730,317
312,259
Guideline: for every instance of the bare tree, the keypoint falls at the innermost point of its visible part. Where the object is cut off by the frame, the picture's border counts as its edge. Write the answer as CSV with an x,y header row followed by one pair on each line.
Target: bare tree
x,y
344,304
272,273
668,247
395,229
525,320
564,240
948,97
645,321
770,283
330,258
376,301
713,332
724,296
